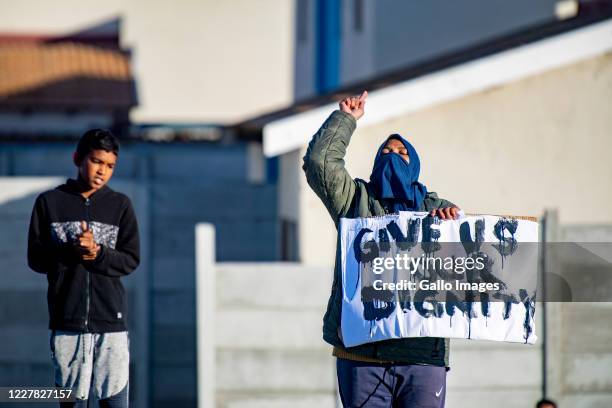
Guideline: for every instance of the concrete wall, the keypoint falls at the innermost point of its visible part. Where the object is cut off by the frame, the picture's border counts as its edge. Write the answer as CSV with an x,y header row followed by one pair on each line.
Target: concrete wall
x,y
194,60
263,331
578,348
267,349
580,357
541,142
268,346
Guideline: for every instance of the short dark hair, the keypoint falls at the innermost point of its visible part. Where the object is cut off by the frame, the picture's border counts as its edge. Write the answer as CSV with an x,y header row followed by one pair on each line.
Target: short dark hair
x,y
544,402
97,139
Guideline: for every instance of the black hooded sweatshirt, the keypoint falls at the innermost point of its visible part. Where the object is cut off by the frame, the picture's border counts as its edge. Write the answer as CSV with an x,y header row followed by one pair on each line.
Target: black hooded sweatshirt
x,y
84,296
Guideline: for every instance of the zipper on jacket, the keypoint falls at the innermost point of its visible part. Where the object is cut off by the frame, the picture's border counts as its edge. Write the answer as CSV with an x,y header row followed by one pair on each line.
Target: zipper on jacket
x,y
87,277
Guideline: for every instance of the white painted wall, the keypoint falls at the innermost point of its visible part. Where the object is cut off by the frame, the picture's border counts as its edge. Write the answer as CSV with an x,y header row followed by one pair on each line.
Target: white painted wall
x,y
453,83
193,60
516,149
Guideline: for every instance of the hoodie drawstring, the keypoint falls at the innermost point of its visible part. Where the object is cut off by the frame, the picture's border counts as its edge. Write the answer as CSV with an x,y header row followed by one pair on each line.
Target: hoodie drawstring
x,y
82,338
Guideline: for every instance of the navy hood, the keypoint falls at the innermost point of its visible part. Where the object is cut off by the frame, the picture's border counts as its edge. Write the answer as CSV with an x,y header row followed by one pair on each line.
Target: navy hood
x,y
396,181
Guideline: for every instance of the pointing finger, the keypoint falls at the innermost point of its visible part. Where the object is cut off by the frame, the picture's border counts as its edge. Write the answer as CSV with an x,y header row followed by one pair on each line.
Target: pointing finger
x,y
363,96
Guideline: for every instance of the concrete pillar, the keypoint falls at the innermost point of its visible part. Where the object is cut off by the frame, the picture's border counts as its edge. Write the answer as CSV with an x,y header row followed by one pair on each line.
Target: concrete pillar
x,y
205,314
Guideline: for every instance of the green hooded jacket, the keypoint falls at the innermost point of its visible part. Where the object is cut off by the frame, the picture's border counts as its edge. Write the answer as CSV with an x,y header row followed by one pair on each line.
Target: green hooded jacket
x,y
346,197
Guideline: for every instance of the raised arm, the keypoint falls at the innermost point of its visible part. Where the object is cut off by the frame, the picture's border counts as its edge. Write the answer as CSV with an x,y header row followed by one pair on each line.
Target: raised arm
x,y
324,159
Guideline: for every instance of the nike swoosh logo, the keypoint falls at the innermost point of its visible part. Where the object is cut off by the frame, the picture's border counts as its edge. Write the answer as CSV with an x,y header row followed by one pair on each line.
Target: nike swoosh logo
x,y
439,392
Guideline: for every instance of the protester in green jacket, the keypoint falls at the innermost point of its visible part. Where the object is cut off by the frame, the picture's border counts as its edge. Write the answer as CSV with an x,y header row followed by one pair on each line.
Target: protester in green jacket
x,y
361,369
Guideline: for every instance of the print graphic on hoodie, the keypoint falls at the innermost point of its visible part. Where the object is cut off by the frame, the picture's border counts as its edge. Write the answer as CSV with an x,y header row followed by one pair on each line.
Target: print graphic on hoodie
x,y
68,232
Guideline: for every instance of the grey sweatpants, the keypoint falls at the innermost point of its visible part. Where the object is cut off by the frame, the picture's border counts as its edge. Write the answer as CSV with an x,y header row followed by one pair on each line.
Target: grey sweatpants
x,y
79,358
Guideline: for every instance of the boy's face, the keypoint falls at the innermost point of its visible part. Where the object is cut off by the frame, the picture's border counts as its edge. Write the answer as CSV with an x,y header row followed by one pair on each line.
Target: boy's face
x,y
97,167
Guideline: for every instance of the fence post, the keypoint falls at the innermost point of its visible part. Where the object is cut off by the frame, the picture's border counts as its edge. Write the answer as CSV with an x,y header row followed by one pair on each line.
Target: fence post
x,y
551,387
205,314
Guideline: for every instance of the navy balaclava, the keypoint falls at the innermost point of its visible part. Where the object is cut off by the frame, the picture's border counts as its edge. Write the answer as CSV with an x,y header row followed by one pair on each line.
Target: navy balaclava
x,y
396,181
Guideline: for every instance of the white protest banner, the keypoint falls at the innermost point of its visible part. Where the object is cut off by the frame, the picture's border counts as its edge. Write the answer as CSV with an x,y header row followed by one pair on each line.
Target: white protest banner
x,y
413,275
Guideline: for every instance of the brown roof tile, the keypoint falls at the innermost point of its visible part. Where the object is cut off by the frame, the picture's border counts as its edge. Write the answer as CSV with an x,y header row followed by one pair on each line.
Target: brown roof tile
x,y
27,67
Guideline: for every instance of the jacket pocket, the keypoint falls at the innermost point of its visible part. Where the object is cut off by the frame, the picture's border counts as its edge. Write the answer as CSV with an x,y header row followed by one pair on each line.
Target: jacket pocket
x,y
108,300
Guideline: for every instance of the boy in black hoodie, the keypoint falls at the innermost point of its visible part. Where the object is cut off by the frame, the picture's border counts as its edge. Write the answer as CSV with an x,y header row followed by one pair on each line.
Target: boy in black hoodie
x,y
84,237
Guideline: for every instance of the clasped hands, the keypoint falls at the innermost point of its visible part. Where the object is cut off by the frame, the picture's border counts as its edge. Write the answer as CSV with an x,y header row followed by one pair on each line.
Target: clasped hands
x,y
85,246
